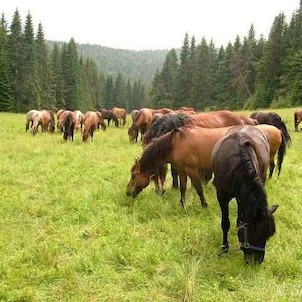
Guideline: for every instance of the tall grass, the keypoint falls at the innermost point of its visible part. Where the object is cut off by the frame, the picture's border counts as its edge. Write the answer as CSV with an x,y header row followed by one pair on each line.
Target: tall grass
x,y
68,232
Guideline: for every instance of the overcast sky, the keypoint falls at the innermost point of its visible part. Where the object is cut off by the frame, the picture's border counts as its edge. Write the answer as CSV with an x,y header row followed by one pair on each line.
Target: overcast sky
x,y
156,24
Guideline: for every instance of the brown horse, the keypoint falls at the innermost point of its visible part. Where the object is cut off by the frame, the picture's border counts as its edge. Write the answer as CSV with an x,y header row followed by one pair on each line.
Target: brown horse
x,y
240,160
142,123
277,142
188,148
162,110
59,113
121,115
44,118
92,121
108,115
67,121
297,118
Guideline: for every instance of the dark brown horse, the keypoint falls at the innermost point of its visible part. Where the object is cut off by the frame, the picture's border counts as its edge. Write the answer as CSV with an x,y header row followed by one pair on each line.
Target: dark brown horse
x,y
188,148
92,121
68,122
297,118
272,118
108,115
240,161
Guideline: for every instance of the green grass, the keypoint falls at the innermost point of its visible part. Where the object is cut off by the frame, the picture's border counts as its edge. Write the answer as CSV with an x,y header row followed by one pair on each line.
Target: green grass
x,y
68,232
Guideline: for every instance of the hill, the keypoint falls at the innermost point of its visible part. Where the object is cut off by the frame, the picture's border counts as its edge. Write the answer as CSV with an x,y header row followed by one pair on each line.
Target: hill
x,y
131,63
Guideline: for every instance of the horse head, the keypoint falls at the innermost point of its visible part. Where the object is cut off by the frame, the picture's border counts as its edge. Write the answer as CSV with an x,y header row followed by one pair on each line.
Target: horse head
x,y
138,180
253,235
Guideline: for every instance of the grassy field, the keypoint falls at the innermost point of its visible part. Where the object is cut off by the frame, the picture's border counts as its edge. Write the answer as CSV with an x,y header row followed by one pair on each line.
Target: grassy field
x,y
68,232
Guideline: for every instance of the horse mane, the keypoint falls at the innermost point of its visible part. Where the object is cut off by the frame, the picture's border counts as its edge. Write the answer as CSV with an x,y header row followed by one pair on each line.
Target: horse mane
x,y
156,152
252,192
165,124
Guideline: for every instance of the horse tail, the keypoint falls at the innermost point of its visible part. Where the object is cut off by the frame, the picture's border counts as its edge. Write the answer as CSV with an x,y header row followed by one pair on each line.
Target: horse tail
x,y
67,125
281,153
296,121
101,120
52,121
138,115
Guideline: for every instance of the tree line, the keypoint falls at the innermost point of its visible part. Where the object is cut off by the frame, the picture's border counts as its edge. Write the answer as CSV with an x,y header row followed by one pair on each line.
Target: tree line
x,y
34,75
248,73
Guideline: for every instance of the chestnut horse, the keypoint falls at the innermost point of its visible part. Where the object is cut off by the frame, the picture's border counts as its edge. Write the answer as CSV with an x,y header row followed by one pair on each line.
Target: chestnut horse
x,y
297,118
272,118
121,115
169,122
141,123
59,113
92,121
188,148
240,160
44,118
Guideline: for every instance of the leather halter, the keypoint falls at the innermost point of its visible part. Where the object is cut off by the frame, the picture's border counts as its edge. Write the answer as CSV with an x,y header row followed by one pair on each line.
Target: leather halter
x,y
245,244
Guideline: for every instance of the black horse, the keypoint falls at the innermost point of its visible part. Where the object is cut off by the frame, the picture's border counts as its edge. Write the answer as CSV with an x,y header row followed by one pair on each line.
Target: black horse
x,y
272,118
240,160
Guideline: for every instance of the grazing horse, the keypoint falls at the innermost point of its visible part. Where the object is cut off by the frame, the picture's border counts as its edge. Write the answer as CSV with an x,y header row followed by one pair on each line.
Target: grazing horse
x,y
142,123
240,161
188,148
297,118
79,116
59,113
272,118
276,142
44,118
169,122
30,117
92,121
67,122
121,115
108,115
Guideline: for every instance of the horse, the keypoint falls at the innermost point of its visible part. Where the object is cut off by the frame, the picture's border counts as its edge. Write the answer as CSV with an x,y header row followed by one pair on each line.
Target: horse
x,y
169,122
30,117
79,116
272,118
184,108
68,122
142,123
108,115
92,121
188,148
248,120
240,160
121,115
133,114
277,142
44,118
297,118
162,110
59,113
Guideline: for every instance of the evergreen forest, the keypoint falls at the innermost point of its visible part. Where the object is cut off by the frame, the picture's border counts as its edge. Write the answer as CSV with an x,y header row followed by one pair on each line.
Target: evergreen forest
x,y
249,73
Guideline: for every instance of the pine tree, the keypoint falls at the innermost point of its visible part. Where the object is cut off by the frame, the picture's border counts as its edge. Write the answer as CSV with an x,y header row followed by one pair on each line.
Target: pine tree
x,y
5,72
44,70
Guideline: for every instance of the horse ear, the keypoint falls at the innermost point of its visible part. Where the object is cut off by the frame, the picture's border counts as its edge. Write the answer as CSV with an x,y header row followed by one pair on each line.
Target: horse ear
x,y
273,209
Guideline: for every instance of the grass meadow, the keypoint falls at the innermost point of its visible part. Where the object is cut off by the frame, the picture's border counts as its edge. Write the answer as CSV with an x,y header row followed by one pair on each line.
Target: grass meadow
x,y
68,232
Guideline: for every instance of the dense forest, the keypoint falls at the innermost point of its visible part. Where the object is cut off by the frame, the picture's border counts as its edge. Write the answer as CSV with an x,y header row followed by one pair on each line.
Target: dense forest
x,y
248,73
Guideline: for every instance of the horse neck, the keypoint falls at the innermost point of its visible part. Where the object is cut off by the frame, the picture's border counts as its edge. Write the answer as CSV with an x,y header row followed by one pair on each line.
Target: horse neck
x,y
157,153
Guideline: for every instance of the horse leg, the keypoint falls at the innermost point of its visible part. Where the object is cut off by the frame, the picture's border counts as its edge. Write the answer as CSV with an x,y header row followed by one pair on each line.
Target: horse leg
x,y
26,126
174,177
196,181
183,187
271,168
225,221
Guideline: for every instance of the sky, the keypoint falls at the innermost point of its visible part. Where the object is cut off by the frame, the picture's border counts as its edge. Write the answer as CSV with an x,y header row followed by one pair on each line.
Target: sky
x,y
152,24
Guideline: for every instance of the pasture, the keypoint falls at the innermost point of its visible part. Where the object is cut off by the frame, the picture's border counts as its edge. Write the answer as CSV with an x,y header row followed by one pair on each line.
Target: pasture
x,y
68,232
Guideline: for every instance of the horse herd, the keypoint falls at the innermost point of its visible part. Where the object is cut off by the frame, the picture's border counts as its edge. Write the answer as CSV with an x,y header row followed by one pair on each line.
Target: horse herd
x,y
69,121
238,150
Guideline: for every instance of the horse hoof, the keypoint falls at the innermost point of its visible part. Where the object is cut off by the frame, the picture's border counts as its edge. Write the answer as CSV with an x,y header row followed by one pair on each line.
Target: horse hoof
x,y
204,205
224,249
